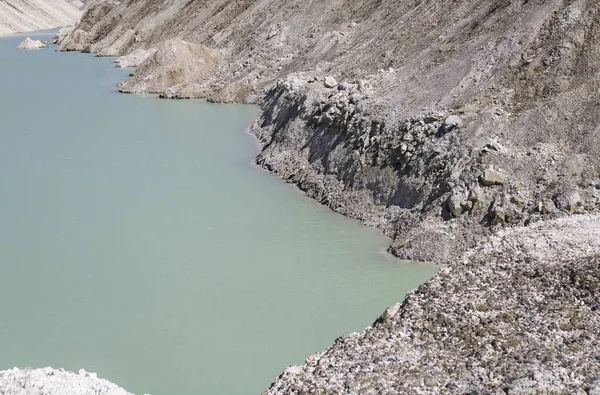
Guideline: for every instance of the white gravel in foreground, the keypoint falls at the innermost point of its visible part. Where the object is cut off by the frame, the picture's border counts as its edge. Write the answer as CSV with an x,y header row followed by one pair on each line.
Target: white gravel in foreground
x,y
48,381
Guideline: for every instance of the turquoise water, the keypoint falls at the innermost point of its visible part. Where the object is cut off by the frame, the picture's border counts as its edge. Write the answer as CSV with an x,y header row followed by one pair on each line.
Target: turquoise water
x,y
138,241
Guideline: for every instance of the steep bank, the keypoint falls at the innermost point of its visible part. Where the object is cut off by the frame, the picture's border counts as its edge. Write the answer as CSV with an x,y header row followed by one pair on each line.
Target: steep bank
x,y
18,16
446,126
442,124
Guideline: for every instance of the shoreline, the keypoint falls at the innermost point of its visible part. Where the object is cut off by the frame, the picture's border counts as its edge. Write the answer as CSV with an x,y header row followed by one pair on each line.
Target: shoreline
x,y
383,251
499,209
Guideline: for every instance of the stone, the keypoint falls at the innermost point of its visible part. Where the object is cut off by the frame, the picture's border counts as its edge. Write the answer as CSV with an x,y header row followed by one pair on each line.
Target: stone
x,y
498,217
455,206
467,205
458,203
453,121
568,200
494,145
32,44
475,194
330,82
546,206
493,177
516,200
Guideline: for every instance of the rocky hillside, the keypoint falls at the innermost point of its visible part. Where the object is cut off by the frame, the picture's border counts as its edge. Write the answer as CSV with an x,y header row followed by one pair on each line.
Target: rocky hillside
x,y
467,130
438,122
18,16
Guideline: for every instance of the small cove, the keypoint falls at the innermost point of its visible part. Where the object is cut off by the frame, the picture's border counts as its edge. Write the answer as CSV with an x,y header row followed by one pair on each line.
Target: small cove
x,y
138,241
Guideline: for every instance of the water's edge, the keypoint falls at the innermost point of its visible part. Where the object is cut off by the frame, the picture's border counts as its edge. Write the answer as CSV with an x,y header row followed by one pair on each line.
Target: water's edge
x,y
67,382
293,112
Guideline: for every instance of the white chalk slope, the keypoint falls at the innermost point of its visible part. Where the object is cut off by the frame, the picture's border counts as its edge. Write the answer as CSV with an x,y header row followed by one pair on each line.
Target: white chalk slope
x,y
18,16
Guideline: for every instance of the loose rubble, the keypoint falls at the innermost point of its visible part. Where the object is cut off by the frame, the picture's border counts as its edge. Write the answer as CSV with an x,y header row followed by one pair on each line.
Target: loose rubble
x,y
48,381
513,317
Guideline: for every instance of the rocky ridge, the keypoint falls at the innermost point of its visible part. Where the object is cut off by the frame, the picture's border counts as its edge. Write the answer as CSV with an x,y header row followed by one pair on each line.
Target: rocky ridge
x,y
468,133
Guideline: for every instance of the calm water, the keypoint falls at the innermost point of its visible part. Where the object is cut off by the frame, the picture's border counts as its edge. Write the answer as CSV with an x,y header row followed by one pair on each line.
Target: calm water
x,y
137,241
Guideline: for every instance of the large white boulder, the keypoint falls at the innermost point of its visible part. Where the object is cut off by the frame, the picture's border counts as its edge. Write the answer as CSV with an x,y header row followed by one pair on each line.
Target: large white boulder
x,y
32,44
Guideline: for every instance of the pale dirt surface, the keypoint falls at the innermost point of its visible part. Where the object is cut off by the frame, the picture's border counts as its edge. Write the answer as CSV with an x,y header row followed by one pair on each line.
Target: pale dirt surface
x,y
468,131
18,16
48,381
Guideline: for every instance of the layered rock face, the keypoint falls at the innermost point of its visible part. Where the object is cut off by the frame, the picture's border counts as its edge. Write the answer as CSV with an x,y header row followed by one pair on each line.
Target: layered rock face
x,y
467,131
18,16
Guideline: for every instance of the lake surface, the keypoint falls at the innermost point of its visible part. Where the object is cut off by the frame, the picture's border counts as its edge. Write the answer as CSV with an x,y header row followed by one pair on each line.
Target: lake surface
x,y
138,241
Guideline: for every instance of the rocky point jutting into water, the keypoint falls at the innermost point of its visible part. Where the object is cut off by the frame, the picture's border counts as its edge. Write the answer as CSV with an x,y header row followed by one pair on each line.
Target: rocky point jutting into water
x,y
467,131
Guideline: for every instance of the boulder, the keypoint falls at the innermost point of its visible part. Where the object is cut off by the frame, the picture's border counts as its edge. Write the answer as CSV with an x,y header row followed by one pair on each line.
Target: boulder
x,y
330,82
568,200
32,44
458,204
492,177
453,121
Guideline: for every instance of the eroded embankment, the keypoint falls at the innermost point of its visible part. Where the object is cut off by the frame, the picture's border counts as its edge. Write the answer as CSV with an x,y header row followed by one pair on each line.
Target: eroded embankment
x,y
450,128
436,124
